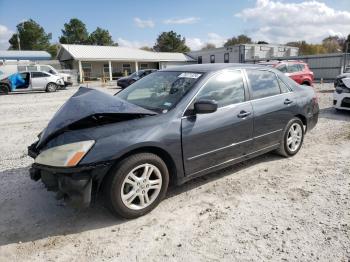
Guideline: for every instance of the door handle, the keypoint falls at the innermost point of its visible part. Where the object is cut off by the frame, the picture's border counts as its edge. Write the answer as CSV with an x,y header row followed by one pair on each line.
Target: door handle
x,y
243,114
287,101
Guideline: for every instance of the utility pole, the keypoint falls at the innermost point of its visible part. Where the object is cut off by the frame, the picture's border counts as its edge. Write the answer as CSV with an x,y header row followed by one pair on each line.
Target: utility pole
x,y
18,38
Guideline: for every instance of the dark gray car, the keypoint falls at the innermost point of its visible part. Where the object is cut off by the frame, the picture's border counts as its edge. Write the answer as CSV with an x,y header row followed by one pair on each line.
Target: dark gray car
x,y
169,127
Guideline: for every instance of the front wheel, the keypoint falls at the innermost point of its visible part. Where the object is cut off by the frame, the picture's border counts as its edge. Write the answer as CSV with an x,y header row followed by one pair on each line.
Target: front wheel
x,y
293,137
136,185
51,87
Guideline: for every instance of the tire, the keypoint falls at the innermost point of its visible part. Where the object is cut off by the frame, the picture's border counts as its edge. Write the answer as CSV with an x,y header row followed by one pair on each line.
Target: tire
x,y
51,87
286,148
4,89
127,184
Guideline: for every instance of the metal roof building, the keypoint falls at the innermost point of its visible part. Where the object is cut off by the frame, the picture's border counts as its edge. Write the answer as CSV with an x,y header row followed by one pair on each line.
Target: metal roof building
x,y
110,61
24,55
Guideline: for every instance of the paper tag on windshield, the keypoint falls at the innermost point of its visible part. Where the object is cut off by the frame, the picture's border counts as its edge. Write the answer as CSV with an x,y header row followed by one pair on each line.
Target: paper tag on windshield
x,y
189,75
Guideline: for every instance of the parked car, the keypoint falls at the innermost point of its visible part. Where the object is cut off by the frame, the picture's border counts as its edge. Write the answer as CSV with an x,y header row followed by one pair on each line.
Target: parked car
x,y
125,81
169,127
341,96
30,81
297,70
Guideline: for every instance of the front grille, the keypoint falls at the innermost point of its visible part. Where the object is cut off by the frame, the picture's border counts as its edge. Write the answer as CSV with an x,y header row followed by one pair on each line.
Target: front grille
x,y
345,102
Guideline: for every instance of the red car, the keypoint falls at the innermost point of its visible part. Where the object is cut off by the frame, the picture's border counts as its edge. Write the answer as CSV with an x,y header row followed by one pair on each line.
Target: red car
x,y
297,70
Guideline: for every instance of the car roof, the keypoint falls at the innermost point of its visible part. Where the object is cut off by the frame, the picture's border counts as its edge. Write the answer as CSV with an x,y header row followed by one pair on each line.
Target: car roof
x,y
282,62
210,67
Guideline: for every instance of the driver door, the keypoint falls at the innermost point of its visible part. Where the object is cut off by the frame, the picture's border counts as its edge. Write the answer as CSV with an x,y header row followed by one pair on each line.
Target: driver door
x,y
222,137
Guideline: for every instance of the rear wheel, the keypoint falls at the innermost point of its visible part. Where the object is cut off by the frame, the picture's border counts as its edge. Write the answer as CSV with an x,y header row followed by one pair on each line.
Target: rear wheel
x,y
4,89
51,87
136,185
293,136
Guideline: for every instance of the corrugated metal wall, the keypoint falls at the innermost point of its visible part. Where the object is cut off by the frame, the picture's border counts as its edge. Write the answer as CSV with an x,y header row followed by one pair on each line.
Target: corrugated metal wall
x,y
326,66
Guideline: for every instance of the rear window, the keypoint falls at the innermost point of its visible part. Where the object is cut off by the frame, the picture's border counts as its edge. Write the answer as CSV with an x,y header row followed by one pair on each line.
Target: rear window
x,y
292,68
263,83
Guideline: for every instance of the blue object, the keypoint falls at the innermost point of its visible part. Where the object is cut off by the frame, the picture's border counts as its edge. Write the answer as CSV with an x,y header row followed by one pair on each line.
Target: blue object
x,y
16,80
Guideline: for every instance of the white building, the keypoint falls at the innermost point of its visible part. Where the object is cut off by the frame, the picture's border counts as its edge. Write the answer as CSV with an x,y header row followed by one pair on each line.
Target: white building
x,y
109,62
243,53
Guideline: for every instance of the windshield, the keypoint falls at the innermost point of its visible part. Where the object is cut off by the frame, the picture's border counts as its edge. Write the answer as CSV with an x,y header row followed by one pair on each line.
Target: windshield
x,y
159,91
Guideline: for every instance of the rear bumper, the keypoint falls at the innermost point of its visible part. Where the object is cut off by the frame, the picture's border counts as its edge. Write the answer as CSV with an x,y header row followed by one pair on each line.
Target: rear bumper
x,y
75,185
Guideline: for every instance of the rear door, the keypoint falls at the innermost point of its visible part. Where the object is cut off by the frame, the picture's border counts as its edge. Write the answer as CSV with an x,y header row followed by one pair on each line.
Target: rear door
x,y
39,80
273,105
211,140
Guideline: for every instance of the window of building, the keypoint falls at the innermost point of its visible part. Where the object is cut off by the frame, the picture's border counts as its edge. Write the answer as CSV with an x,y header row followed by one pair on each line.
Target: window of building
x,y
226,58
212,59
263,83
143,66
199,60
127,68
225,89
106,68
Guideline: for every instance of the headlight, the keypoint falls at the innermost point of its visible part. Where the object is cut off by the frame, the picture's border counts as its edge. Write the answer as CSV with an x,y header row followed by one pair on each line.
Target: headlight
x,y
66,155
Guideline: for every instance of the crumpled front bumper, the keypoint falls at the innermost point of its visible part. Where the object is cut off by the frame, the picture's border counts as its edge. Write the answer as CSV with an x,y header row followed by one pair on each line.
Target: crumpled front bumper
x,y
74,185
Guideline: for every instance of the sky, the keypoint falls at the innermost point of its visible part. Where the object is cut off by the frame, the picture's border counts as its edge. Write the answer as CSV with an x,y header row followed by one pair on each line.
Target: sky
x,y
137,23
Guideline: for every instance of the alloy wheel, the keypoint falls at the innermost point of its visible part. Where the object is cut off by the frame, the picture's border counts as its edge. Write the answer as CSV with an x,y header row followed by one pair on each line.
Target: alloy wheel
x,y
141,186
294,137
51,87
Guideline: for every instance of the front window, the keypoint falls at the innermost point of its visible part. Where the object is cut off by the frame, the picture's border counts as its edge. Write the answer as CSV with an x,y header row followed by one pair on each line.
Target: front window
x,y
48,69
225,89
161,91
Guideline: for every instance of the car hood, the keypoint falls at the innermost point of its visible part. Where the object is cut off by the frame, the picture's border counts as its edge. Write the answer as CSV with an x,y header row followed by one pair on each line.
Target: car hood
x,y
123,78
343,75
90,105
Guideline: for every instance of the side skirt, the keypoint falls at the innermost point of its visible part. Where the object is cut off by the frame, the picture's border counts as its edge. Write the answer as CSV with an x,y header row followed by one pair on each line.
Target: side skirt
x,y
227,163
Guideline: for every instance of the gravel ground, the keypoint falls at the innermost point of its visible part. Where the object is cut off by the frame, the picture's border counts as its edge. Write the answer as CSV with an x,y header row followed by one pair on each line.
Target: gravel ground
x,y
268,208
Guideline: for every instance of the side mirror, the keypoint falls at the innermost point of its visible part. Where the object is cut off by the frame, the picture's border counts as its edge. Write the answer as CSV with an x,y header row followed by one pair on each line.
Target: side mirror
x,y
205,106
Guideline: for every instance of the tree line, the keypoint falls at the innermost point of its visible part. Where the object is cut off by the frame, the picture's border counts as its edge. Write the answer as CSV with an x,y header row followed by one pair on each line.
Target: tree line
x,y
32,36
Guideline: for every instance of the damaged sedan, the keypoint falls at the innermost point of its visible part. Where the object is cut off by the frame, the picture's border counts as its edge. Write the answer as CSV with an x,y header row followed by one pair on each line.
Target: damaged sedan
x,y
167,128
